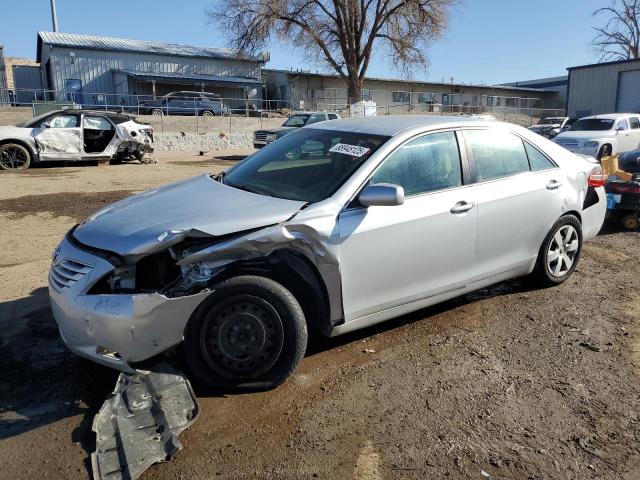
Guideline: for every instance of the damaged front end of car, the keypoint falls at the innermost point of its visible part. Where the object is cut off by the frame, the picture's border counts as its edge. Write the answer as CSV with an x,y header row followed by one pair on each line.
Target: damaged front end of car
x,y
121,310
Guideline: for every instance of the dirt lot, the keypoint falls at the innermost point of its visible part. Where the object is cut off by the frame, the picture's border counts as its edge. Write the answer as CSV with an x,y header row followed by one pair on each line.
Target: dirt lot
x,y
509,382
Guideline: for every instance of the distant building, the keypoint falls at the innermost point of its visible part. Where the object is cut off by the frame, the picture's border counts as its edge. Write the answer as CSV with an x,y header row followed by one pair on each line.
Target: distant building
x,y
604,88
557,84
94,70
320,91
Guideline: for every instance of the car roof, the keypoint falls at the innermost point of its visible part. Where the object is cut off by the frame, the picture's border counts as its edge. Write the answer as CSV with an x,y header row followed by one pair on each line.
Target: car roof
x,y
309,113
390,125
609,116
88,112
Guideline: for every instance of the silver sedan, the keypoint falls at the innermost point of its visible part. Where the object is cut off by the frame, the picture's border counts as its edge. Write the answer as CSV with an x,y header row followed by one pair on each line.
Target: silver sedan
x,y
338,226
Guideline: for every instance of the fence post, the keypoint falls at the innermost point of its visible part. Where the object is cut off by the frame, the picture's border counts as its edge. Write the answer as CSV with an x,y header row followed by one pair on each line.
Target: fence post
x,y
195,111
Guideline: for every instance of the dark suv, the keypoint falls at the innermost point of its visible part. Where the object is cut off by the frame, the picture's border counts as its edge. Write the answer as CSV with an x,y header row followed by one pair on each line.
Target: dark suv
x,y
185,103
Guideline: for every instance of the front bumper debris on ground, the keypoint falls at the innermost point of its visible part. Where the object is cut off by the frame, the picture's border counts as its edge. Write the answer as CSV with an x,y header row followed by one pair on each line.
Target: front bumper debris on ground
x,y
139,424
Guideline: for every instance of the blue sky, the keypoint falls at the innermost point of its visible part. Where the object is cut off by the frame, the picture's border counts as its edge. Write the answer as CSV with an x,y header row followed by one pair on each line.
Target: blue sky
x,y
489,41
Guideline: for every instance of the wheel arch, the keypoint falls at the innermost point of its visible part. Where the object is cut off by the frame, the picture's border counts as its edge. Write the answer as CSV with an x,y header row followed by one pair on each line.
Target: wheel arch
x,y
575,213
296,273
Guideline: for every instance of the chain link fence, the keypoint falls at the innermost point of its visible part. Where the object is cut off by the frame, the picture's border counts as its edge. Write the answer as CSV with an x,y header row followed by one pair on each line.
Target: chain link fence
x,y
199,113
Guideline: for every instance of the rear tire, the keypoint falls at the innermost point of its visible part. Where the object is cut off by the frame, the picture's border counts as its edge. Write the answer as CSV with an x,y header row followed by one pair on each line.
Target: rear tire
x,y
156,112
14,156
249,334
631,222
560,252
208,113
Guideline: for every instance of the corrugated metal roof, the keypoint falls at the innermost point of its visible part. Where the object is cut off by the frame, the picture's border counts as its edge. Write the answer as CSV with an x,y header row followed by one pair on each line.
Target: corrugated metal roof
x,y
146,46
192,76
604,64
403,80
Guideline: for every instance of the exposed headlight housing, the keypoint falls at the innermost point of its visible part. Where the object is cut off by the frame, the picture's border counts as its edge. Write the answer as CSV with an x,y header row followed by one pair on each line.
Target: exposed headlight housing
x,y
591,144
272,137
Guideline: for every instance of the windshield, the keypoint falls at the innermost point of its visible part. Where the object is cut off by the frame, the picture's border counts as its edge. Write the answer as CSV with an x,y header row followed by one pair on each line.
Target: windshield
x,y
550,121
296,121
593,124
32,121
309,164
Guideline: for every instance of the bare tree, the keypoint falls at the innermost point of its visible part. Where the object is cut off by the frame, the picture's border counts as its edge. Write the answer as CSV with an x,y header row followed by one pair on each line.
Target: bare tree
x,y
619,37
342,33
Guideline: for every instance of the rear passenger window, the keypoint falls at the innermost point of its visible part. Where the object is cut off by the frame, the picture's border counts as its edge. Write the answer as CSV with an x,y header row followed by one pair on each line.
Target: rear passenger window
x,y
333,116
496,154
537,159
635,123
425,164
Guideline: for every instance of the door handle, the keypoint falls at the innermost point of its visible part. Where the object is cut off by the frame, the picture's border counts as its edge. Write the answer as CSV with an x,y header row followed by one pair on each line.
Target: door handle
x,y
461,207
554,185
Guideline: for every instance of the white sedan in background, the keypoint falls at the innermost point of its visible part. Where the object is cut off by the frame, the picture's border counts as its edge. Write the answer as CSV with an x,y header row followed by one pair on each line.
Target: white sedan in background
x,y
71,135
602,135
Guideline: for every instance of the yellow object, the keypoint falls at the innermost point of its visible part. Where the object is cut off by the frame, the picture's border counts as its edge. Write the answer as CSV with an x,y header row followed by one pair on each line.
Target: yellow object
x,y
610,167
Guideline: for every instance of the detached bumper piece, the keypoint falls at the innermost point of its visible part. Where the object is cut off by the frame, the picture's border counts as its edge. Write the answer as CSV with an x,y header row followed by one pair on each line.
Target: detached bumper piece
x,y
139,424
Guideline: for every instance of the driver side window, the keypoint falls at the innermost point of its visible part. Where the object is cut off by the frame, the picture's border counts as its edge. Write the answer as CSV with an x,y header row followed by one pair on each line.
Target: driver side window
x,y
424,164
64,121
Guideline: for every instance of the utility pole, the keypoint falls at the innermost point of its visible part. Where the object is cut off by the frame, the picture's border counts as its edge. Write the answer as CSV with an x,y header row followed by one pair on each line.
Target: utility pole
x,y
54,16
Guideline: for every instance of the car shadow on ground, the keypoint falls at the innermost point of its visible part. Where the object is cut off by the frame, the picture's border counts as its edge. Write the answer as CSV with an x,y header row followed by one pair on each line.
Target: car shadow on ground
x,y
319,344
42,381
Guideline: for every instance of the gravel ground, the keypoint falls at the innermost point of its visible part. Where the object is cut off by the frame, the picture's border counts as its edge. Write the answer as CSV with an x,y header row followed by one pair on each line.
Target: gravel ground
x,y
509,382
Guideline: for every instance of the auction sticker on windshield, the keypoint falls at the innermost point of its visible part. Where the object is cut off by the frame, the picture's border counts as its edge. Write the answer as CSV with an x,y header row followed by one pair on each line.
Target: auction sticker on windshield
x,y
353,150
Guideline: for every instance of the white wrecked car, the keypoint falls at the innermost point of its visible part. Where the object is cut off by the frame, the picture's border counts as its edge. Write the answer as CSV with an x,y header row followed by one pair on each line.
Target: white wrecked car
x,y
70,135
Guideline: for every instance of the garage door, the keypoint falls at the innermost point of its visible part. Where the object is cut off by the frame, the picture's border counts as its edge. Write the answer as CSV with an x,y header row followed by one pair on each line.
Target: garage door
x,y
629,92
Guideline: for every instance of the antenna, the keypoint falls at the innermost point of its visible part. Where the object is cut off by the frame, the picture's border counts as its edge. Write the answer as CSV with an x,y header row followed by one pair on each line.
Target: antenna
x,y
54,16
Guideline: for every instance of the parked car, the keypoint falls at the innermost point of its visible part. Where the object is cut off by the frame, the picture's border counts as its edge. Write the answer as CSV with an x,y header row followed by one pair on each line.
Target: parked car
x,y
335,227
295,121
549,127
602,135
185,103
73,134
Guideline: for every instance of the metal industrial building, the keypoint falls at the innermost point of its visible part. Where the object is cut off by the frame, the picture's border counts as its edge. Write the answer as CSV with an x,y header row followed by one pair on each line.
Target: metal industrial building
x,y
557,84
320,91
604,88
94,70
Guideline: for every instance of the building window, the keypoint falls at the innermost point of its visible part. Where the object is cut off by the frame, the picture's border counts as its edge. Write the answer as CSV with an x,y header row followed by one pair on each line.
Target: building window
x,y
366,94
400,97
425,97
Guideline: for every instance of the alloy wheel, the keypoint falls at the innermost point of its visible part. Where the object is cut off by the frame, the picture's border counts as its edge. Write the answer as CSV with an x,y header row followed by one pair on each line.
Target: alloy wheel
x,y
563,248
12,157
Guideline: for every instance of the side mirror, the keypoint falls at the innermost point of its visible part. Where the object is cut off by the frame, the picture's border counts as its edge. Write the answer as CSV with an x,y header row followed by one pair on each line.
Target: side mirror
x,y
382,195
45,125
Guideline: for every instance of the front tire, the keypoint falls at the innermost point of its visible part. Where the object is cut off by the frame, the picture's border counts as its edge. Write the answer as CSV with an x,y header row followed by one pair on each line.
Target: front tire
x,y
14,156
560,252
249,334
156,112
208,113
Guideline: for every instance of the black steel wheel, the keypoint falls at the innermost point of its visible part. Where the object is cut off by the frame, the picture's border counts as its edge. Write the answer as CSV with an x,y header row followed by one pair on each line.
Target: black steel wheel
x,y
14,156
241,336
249,334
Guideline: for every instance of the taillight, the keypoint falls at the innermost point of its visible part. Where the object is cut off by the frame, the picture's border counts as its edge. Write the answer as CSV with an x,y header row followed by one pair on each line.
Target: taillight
x,y
597,179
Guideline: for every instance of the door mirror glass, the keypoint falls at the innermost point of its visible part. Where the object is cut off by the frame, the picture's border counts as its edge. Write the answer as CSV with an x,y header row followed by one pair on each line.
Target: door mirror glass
x,y
45,125
382,195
